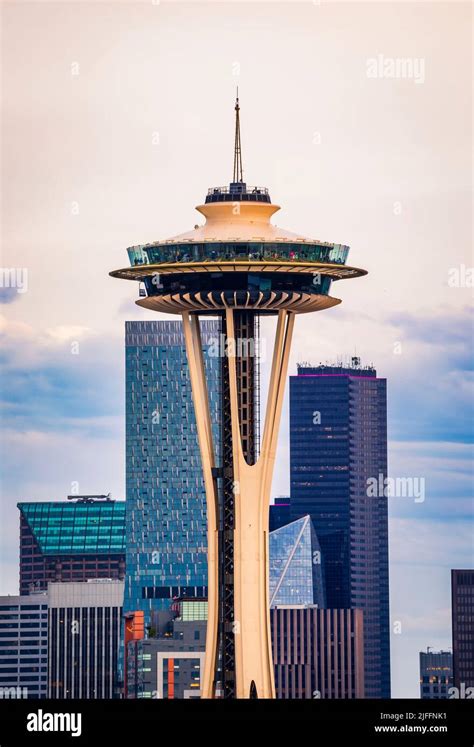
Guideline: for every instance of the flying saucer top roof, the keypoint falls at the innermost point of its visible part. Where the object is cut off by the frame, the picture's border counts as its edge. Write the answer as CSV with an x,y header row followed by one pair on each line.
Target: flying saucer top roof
x,y
239,221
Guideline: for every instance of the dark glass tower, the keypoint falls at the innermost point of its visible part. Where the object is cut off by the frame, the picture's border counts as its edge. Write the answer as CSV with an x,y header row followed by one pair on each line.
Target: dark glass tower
x,y
338,440
280,513
462,609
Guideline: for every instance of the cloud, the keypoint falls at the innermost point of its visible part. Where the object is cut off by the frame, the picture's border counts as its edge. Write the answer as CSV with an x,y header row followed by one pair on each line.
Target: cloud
x,y
447,471
60,380
425,357
8,295
446,328
65,333
425,542
431,384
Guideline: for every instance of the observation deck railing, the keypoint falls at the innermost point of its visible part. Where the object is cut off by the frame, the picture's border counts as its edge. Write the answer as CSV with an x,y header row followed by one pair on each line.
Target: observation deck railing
x,y
238,192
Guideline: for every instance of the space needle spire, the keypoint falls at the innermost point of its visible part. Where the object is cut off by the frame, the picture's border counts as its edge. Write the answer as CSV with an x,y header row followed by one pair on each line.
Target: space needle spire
x,y
238,170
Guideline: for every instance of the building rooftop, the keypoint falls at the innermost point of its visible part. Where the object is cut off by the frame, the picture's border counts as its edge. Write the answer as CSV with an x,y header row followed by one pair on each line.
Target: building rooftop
x,y
226,224
353,368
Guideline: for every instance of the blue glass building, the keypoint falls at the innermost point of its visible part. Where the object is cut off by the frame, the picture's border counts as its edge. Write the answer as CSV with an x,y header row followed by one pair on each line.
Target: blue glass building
x,y
338,440
70,541
296,576
165,497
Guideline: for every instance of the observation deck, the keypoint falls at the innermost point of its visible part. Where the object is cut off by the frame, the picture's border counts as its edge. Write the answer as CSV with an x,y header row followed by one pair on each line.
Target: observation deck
x,y
237,259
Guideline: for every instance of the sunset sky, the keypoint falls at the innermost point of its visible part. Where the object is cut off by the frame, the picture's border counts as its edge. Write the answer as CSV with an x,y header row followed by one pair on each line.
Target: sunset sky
x,y
116,119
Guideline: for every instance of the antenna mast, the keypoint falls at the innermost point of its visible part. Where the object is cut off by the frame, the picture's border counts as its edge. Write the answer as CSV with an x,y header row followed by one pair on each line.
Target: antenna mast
x,y
238,171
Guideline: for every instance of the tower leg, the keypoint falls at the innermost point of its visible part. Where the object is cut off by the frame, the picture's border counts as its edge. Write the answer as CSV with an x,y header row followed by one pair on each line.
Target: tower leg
x,y
251,488
192,336
254,667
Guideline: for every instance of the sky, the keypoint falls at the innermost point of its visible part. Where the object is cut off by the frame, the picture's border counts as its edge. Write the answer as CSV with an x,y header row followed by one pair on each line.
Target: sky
x,y
117,117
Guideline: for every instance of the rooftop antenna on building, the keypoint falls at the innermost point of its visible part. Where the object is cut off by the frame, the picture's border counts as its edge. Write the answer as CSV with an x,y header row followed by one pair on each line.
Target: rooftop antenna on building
x,y
238,170
89,498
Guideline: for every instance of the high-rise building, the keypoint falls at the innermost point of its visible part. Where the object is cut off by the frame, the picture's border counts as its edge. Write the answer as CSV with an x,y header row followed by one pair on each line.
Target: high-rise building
x,y
436,674
296,575
23,646
462,610
338,442
169,664
165,497
318,653
237,266
84,638
280,512
70,541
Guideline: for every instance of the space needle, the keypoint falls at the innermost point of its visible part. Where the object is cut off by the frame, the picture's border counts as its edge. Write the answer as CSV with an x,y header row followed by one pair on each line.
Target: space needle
x,y
238,266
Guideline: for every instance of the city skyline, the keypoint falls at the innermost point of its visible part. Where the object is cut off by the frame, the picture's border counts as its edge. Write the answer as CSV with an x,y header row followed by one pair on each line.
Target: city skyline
x,y
65,553
66,408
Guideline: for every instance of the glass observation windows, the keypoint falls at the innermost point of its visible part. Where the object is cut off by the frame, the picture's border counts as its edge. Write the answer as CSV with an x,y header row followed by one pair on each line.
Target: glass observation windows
x,y
238,250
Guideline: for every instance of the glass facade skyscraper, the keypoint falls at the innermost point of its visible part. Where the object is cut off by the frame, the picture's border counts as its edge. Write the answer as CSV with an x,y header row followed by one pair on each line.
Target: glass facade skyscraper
x,y
295,565
70,541
165,497
462,611
338,441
